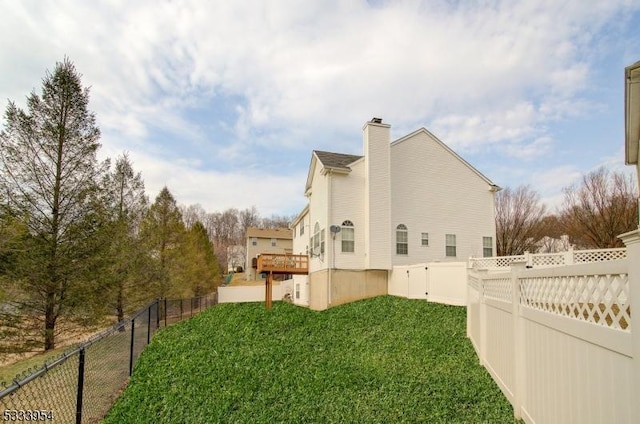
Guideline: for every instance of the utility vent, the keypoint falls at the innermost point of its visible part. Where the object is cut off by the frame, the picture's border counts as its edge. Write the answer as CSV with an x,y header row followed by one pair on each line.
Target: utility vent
x,y
376,120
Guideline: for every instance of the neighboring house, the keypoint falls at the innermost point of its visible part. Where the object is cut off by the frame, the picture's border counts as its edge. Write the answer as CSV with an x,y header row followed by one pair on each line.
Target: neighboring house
x,y
236,257
554,245
413,201
632,117
261,240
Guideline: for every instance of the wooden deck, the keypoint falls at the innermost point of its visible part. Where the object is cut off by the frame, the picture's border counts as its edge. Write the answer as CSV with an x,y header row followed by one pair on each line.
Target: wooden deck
x,y
283,264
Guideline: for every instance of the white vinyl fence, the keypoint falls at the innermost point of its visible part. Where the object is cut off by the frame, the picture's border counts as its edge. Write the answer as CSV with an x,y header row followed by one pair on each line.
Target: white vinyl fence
x,y
441,282
232,294
543,260
559,341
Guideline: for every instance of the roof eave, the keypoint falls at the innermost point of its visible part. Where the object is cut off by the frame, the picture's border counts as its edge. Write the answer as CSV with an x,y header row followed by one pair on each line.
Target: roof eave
x,y
632,113
335,170
300,216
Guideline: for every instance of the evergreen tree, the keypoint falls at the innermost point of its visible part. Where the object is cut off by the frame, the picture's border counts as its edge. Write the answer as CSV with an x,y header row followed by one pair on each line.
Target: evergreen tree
x,y
128,204
163,233
48,176
200,268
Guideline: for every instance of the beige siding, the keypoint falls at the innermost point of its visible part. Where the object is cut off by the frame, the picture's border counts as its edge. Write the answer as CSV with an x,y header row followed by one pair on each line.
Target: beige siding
x,y
377,196
348,204
318,204
264,246
301,241
435,192
300,247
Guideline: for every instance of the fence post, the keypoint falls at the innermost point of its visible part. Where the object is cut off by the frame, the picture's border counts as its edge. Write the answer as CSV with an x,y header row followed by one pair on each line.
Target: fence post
x,y
482,345
165,312
519,364
133,330
569,258
157,314
149,324
80,387
632,241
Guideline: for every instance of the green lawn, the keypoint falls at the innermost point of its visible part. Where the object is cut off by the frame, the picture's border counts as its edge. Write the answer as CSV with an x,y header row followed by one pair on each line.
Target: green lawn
x,y
383,360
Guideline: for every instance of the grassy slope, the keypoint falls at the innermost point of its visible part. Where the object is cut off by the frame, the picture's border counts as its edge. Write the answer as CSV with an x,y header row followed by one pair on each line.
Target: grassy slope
x,y
381,360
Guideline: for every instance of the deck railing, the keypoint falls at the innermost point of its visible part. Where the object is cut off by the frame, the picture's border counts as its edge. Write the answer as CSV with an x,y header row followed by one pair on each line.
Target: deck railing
x,y
283,264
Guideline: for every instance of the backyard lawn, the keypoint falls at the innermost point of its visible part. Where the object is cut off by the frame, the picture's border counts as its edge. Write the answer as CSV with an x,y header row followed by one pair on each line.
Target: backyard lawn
x,y
382,360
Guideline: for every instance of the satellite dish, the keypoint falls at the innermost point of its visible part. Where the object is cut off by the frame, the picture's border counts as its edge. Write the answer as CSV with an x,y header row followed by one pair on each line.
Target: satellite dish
x,y
334,229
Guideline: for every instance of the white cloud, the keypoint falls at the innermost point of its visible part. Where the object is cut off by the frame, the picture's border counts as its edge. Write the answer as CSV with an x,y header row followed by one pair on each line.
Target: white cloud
x,y
216,191
490,75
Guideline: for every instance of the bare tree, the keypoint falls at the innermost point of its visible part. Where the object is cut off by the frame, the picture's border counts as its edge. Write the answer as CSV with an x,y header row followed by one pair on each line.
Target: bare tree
x,y
277,221
519,220
604,206
554,239
224,230
248,218
192,214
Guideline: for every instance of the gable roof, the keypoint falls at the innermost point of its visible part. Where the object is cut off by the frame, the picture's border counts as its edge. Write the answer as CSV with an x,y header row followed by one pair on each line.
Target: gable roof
x,y
336,160
494,187
329,160
632,113
277,233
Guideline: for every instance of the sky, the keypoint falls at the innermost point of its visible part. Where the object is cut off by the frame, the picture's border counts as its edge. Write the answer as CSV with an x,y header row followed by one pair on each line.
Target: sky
x,y
224,101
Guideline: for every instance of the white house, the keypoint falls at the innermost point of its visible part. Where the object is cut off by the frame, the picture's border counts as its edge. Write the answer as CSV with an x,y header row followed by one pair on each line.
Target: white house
x,y
236,257
632,116
402,203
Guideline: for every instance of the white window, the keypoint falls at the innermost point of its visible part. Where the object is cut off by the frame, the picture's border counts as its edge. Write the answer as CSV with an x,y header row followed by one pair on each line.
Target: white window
x,y
302,228
297,290
254,241
316,239
348,242
402,240
450,243
487,247
273,242
322,241
424,239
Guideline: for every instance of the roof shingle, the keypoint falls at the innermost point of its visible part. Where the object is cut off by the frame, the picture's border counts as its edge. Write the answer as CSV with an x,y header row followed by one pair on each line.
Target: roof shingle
x,y
336,160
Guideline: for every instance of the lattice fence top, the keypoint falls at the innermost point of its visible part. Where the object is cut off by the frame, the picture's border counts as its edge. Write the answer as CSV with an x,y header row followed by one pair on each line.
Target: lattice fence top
x,y
599,255
599,299
541,260
495,262
498,288
547,259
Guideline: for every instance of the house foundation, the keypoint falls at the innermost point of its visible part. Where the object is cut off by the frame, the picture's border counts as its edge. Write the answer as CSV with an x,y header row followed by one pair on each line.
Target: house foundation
x,y
333,287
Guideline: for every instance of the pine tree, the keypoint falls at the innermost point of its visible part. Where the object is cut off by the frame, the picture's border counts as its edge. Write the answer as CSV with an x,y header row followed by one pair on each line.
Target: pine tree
x,y
163,233
200,269
48,177
128,205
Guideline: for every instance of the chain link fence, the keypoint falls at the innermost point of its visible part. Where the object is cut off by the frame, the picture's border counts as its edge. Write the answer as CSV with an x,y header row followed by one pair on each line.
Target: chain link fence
x,y
81,385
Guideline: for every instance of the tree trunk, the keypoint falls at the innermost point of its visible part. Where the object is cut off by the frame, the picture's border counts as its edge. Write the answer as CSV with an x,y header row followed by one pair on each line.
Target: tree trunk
x,y
120,304
50,318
